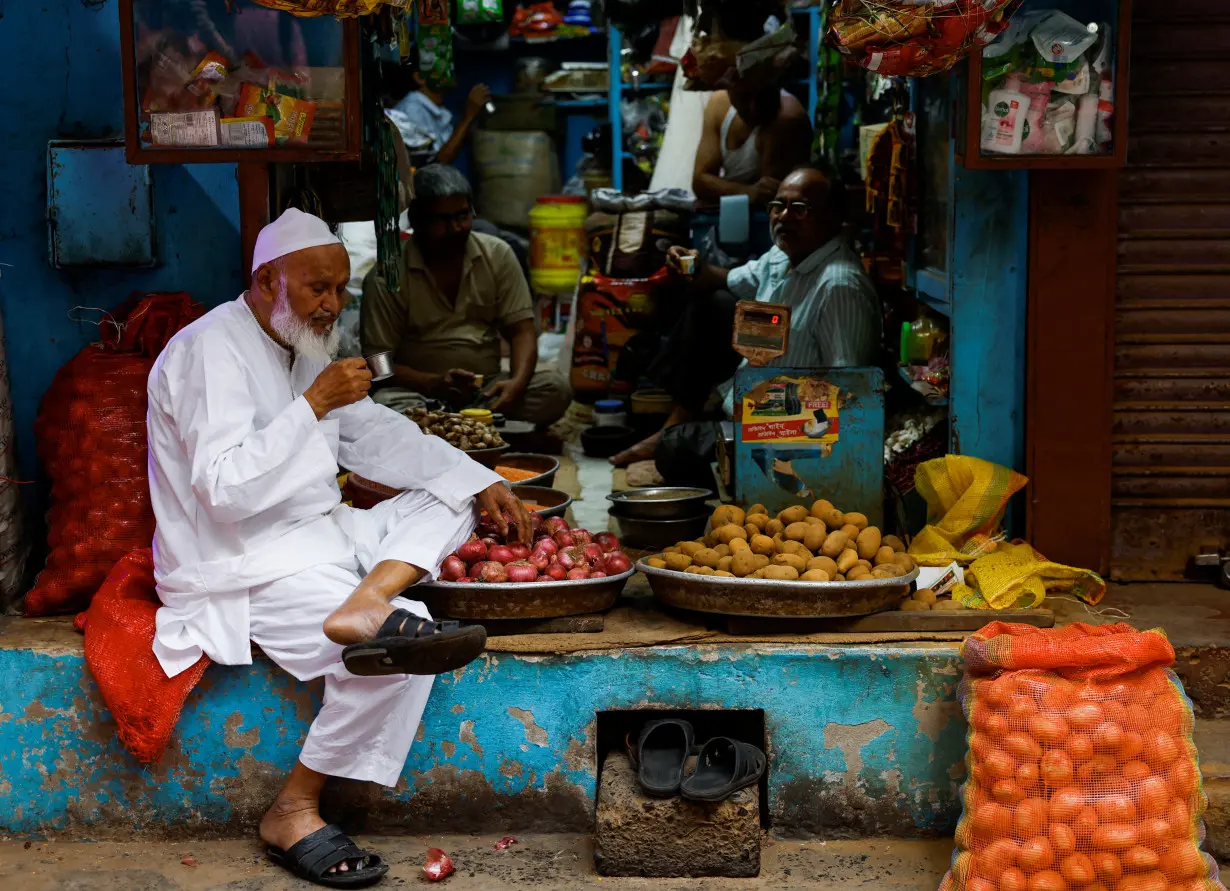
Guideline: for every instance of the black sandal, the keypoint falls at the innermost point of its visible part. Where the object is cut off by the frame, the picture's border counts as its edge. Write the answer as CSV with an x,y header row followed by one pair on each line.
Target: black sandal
x,y
724,767
431,648
314,855
660,753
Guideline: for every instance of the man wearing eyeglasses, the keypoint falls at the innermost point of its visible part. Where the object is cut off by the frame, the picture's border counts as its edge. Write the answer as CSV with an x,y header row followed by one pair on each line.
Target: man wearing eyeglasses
x,y
836,315
459,292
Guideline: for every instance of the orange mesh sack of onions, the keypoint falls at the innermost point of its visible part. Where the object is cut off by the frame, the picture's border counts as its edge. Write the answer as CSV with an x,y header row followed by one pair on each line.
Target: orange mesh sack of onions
x,y
1082,771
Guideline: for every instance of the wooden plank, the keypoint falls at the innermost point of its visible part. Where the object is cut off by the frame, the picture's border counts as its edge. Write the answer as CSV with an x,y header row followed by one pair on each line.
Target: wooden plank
x,y
590,624
893,620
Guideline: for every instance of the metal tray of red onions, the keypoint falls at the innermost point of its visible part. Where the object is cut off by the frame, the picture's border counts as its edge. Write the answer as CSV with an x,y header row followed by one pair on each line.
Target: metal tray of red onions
x,y
558,555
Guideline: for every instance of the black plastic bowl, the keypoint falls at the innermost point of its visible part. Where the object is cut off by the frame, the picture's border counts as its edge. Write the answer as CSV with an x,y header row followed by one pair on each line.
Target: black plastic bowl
x,y
603,442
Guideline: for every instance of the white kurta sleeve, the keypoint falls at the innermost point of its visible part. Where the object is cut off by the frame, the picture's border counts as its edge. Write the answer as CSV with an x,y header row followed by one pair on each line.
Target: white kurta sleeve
x,y
237,471
389,448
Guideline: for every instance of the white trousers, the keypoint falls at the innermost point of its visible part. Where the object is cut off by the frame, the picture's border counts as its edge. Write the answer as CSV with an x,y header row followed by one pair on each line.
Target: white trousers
x,y
366,724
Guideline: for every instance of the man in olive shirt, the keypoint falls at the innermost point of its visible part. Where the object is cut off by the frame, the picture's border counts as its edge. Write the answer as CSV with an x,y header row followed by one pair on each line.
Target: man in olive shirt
x,y
460,292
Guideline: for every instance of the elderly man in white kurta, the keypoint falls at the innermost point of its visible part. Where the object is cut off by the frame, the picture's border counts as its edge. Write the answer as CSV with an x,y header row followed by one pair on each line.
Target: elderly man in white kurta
x,y
249,421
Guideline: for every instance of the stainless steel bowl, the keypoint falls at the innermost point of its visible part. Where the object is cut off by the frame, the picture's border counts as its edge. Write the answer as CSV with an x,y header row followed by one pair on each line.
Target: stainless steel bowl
x,y
545,467
772,598
554,502
659,502
528,600
647,534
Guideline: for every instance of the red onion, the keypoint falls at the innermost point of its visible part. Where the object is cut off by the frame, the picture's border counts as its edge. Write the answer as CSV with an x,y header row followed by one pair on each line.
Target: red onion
x,y
593,554
452,568
540,559
472,552
555,572
556,524
547,546
608,541
578,574
501,554
617,563
536,520
570,558
490,540
521,571
564,539
486,530
544,578
581,536
490,571
597,574
467,580
520,551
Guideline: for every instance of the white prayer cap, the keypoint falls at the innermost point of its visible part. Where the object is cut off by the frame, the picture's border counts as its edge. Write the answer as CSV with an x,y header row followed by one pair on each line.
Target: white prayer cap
x,y
292,231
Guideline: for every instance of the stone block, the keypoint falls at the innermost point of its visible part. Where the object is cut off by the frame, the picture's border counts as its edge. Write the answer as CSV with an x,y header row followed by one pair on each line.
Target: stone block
x,y
638,835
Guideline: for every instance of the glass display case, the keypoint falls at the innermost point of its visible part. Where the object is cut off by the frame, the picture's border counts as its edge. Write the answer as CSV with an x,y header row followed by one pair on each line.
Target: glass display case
x,y
229,80
1050,90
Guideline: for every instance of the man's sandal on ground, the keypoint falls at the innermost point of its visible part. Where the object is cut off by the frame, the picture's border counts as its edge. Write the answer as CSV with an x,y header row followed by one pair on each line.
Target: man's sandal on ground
x,y
410,644
314,855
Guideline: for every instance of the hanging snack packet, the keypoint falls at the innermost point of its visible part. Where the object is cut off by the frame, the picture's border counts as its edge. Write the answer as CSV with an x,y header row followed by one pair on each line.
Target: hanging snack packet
x,y
247,132
477,12
436,55
291,118
208,76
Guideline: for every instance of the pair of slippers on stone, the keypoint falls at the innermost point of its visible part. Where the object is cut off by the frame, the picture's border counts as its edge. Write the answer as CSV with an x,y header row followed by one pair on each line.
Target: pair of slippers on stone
x,y
723,765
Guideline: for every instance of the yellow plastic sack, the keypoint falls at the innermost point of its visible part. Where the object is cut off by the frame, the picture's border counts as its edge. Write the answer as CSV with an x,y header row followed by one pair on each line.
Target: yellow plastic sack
x,y
1017,576
966,500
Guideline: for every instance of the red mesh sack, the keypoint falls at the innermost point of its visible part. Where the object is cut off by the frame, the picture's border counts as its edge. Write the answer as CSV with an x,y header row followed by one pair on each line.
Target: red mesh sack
x,y
1082,771
119,639
91,440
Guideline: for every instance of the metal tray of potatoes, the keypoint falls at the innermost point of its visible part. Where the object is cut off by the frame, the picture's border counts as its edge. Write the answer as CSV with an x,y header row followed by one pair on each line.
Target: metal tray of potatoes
x,y
773,599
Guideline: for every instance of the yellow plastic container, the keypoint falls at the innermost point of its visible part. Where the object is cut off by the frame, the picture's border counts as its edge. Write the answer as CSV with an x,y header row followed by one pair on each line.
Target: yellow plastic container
x,y
557,243
482,415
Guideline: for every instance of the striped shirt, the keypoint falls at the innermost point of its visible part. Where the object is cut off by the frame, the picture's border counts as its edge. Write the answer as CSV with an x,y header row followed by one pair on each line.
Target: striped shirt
x,y
835,315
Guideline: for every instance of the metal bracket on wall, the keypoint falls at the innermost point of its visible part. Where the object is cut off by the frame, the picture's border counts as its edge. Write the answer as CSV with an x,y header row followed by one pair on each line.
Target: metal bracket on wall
x,y
100,209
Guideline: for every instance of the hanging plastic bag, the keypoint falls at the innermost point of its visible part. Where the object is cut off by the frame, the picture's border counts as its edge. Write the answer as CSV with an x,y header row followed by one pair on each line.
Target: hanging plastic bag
x,y
966,500
1082,770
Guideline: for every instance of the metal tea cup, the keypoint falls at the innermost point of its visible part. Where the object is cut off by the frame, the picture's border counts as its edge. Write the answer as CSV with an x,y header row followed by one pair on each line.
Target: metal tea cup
x,y
380,365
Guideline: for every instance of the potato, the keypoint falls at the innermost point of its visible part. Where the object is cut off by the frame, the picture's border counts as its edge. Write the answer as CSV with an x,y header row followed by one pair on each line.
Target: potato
x,y
726,533
736,545
728,514
925,595
850,530
827,564
847,560
880,573
707,557
761,560
796,531
858,573
691,547
884,555
824,510
743,563
678,562
724,549
813,538
793,560
725,563
857,519
868,542
839,577
945,604
892,570
699,570
864,563
814,575
724,574
913,606
813,521
792,515
671,550
757,520
774,527
894,542
693,570
757,508
834,544
709,539
757,574
905,561
762,544
782,573
793,547
656,562
751,529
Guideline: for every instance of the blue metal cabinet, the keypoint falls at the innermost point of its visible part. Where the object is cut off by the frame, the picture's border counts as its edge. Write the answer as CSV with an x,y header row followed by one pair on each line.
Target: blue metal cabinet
x,y
99,208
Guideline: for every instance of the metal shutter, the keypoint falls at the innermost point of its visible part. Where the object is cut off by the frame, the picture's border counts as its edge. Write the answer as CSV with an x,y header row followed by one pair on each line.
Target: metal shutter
x,y
1171,434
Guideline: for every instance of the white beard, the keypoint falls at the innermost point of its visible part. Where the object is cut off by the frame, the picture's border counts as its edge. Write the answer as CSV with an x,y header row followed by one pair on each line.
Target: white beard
x,y
297,333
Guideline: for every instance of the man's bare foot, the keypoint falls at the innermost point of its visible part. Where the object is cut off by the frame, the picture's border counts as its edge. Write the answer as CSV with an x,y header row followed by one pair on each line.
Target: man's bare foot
x,y
642,451
289,821
359,618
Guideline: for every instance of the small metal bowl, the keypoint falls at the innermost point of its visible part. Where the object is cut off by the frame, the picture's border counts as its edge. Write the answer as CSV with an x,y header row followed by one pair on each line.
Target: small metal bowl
x,y
545,466
489,457
554,503
659,502
654,534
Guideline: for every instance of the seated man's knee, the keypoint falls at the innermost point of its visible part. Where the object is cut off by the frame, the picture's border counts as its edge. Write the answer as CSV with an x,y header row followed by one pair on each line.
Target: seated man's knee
x,y
547,398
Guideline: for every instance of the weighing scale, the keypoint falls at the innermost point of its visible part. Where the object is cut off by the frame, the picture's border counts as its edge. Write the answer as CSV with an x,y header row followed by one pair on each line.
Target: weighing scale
x,y
803,433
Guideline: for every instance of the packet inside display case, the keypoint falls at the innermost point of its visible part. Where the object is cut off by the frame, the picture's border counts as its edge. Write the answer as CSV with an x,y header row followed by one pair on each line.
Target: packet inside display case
x,y
1048,86
219,74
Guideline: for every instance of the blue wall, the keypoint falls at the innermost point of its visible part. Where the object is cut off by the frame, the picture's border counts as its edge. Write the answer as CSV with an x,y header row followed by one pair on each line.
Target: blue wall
x,y
64,61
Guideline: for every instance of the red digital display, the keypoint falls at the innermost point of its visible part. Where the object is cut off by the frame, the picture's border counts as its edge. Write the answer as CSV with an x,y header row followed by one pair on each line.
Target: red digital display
x,y
776,320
